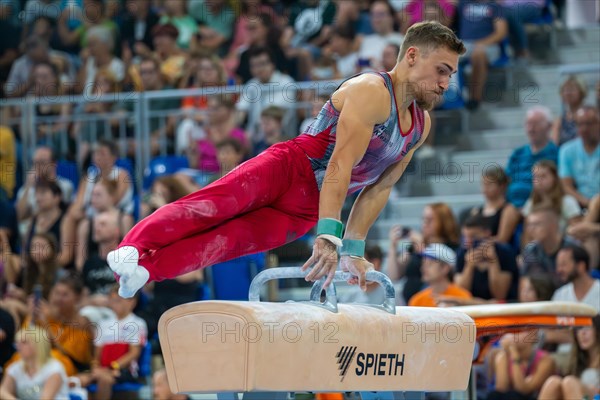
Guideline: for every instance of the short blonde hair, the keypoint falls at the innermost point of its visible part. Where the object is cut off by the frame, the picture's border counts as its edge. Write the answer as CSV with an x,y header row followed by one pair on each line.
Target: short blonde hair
x,y
431,35
38,337
577,81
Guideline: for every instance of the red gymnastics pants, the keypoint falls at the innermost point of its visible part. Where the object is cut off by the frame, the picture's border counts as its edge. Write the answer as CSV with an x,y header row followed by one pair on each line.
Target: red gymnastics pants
x,y
264,203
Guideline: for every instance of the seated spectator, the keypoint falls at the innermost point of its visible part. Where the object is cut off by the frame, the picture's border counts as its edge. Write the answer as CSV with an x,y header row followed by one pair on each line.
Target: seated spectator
x,y
160,387
389,57
97,277
342,47
203,71
37,374
245,27
517,14
544,239
375,293
136,25
104,160
99,55
309,26
103,200
536,287
50,211
8,163
215,19
230,154
221,124
164,190
172,59
91,16
268,87
579,160
118,346
437,272
486,268
36,9
107,123
482,29
573,269
502,217
588,231
573,92
73,333
384,33
519,167
161,129
271,119
521,368
438,226
37,50
44,168
415,11
38,267
583,377
262,32
548,190
46,84
175,13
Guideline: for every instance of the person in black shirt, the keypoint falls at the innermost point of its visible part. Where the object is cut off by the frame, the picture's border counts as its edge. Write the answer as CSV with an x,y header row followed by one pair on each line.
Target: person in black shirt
x,y
485,268
97,276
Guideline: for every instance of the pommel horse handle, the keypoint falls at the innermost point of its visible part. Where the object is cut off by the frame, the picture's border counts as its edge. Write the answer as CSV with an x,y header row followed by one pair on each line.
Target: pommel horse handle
x,y
389,304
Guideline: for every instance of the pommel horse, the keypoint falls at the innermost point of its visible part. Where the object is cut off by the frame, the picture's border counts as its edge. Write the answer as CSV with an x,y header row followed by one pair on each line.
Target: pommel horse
x,y
268,350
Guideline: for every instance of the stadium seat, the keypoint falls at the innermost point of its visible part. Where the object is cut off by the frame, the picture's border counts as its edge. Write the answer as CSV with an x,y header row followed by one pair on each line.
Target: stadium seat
x,y
231,279
127,165
163,165
68,170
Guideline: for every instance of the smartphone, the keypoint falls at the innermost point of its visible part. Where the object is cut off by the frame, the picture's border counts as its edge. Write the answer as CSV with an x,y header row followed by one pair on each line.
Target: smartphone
x,y
405,232
37,294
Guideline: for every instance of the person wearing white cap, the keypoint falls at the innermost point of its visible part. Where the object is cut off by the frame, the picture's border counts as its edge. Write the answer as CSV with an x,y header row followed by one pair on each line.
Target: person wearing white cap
x,y
437,270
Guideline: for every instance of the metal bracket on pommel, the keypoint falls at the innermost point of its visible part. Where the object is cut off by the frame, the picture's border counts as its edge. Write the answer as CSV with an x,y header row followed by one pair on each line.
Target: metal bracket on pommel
x,y
330,303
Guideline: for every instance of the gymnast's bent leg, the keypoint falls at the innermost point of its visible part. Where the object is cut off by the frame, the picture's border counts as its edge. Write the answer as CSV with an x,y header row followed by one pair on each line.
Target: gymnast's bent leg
x,y
247,234
281,174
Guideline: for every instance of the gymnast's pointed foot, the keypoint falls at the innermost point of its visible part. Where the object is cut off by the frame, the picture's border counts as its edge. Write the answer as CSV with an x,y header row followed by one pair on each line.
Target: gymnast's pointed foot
x,y
132,276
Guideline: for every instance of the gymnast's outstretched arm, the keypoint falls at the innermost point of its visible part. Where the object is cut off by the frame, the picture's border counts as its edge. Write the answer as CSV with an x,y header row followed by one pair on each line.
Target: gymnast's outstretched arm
x,y
362,102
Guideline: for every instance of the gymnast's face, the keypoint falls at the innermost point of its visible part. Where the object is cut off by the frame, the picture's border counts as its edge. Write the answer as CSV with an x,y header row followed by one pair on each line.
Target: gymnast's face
x,y
429,73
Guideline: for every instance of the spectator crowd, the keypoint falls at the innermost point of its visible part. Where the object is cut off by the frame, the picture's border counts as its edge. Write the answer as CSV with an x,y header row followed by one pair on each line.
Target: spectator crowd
x,y
535,237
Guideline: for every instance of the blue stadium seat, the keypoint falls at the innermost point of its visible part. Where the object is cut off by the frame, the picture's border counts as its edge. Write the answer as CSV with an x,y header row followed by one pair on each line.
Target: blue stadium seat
x,y
163,165
546,18
128,166
145,369
503,60
68,170
231,279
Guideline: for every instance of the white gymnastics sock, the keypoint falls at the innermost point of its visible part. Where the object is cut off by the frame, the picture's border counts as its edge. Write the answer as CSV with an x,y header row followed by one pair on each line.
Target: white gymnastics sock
x,y
132,276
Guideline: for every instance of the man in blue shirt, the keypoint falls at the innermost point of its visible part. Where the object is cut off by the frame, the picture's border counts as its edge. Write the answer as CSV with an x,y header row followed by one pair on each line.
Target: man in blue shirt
x,y
579,159
538,124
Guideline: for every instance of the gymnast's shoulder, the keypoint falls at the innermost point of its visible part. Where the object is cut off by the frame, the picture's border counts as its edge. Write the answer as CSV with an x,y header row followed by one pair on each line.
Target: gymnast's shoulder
x,y
365,94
